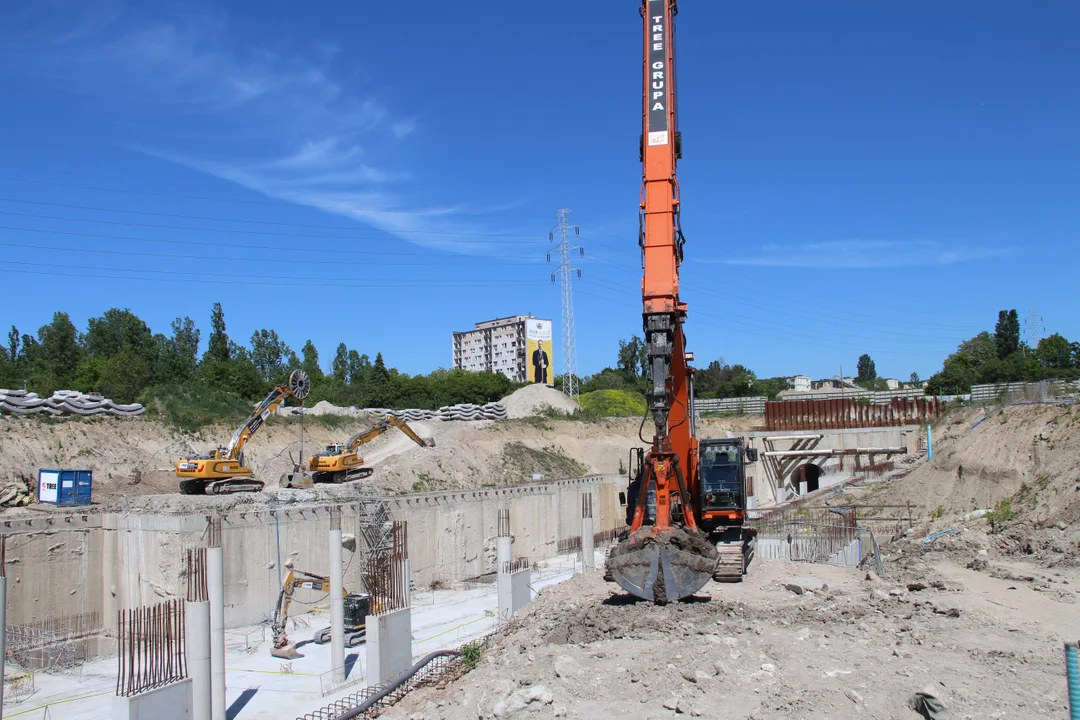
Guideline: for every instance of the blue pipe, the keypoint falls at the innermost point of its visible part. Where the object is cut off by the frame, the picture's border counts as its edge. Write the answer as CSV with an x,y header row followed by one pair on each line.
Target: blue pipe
x,y
1072,672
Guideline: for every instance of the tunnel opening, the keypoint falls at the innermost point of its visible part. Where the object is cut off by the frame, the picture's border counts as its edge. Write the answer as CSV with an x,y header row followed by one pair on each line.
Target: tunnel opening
x,y
808,473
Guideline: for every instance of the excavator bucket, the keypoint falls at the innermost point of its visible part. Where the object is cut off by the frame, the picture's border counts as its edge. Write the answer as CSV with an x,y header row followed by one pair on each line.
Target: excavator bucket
x,y
663,566
286,652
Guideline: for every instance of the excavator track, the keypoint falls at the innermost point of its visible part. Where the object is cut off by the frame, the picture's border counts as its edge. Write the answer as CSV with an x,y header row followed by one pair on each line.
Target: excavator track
x,y
734,550
235,485
342,476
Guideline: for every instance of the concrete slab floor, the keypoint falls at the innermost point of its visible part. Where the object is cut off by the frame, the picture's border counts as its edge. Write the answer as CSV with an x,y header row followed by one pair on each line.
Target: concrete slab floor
x,y
260,686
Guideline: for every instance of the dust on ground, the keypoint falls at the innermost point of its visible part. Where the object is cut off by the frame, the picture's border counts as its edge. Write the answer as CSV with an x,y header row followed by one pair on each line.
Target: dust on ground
x,y
536,400
791,641
133,459
972,609
1011,474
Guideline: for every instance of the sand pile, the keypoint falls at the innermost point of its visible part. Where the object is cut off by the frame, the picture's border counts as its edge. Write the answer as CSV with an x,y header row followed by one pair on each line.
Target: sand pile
x,y
532,399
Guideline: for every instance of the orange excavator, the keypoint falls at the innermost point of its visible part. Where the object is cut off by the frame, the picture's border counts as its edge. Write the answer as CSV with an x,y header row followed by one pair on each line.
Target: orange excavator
x,y
686,525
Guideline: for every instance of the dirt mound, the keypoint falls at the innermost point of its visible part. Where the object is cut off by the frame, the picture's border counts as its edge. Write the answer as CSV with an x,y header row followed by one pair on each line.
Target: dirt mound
x,y
847,645
135,457
532,399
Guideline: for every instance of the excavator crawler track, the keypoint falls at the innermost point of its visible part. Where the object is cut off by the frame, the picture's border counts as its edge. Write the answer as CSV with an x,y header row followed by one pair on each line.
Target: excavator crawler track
x,y
228,487
734,551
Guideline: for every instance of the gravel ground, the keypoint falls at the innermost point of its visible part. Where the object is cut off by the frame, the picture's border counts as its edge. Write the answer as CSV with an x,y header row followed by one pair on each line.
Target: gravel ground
x,y
792,641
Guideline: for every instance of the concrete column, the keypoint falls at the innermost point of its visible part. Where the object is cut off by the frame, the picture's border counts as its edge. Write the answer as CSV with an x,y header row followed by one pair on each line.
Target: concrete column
x,y
215,577
503,551
337,600
197,644
802,488
503,542
588,557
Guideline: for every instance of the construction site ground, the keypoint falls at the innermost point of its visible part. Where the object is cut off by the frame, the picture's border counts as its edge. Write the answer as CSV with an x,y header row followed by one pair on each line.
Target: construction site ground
x,y
976,600
792,641
133,459
262,687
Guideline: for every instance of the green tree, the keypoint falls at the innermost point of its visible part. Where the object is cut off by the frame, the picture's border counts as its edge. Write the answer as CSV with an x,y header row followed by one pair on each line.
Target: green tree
x,y
179,353
218,345
633,357
353,373
379,373
59,352
975,361
340,366
269,354
866,370
121,355
1055,352
29,362
13,344
310,363
1007,333
914,379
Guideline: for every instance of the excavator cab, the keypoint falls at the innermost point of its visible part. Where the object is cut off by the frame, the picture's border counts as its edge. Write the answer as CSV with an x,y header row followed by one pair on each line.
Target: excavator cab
x,y
357,608
723,476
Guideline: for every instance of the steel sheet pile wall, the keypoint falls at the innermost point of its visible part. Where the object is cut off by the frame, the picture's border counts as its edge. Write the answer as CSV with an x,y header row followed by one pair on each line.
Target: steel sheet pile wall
x,y
843,414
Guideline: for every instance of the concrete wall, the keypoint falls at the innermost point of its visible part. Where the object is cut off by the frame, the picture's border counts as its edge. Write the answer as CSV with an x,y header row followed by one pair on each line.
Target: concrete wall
x,y
389,645
63,565
172,702
840,467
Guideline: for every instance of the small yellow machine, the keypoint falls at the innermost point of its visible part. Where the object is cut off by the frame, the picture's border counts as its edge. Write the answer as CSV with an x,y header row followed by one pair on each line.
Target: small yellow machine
x,y
340,463
222,470
357,607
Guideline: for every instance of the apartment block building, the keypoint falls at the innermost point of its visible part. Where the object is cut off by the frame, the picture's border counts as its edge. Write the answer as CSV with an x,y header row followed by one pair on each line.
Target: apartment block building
x,y
507,345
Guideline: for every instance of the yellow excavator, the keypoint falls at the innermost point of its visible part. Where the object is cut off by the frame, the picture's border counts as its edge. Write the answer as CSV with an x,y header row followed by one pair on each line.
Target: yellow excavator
x,y
340,462
357,607
222,470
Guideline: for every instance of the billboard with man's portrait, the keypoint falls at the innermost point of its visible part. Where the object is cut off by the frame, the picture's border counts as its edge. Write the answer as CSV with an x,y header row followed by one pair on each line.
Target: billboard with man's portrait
x,y
539,365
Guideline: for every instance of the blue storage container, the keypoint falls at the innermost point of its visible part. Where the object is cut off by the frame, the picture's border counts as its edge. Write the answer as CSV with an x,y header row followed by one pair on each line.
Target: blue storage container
x,y
65,487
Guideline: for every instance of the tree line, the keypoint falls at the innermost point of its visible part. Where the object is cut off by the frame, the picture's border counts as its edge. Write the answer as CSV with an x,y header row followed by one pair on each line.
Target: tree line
x,y
718,379
119,356
1002,357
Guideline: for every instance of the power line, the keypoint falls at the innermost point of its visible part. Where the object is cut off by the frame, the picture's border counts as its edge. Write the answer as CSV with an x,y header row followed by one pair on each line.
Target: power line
x,y
292,260
208,244
394,282
524,239
755,330
1034,328
564,248
780,325
435,213
802,302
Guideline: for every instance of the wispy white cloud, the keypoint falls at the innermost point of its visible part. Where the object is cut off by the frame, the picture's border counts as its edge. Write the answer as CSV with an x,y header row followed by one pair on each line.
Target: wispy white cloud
x,y
293,127
865,254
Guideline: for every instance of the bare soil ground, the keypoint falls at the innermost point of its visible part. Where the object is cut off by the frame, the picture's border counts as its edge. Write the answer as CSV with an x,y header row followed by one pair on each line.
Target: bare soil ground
x,y
133,459
1020,463
846,646
975,616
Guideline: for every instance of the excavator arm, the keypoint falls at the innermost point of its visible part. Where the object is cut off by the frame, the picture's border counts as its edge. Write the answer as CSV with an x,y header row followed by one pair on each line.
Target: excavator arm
x,y
298,387
295,579
363,438
666,557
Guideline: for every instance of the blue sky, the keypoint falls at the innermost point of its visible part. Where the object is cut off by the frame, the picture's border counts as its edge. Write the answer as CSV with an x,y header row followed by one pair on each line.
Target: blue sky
x,y
858,177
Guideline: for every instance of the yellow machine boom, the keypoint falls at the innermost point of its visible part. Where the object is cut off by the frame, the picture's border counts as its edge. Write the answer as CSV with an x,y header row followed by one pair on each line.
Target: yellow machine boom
x,y
222,470
357,607
339,463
